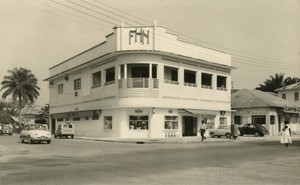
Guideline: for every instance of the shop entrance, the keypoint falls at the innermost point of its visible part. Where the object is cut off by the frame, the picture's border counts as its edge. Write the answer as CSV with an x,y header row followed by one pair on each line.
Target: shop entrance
x,y
189,126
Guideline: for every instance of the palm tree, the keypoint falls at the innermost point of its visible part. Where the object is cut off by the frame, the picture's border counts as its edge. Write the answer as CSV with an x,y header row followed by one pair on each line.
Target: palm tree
x,y
21,84
276,82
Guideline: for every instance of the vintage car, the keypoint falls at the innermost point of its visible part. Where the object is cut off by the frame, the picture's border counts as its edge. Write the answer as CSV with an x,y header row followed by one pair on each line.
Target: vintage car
x,y
253,129
6,130
35,133
65,130
220,131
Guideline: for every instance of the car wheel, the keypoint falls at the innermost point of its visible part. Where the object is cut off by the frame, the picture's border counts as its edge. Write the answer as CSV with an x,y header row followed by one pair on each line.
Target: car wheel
x,y
256,134
29,140
212,135
228,135
262,135
49,141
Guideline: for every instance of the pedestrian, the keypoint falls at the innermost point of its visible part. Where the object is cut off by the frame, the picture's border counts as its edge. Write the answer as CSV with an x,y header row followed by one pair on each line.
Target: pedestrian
x,y
286,136
202,130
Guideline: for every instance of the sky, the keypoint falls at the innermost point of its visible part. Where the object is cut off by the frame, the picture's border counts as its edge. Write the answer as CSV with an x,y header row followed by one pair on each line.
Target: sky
x,y
262,36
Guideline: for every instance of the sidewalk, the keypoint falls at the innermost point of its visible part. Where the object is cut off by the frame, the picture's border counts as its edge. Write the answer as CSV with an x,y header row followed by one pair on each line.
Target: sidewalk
x,y
187,139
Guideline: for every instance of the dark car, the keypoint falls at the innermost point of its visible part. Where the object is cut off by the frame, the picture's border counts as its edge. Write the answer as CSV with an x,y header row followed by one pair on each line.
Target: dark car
x,y
253,129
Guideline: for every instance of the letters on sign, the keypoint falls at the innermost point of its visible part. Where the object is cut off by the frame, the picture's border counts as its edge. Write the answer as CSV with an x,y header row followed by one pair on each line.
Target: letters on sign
x,y
142,34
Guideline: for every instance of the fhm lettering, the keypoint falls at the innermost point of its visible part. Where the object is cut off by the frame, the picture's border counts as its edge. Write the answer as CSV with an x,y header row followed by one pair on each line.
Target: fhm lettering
x,y
142,35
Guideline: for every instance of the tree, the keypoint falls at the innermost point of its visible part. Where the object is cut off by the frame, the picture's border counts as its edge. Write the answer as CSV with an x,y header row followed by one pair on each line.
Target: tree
x,y
276,82
21,84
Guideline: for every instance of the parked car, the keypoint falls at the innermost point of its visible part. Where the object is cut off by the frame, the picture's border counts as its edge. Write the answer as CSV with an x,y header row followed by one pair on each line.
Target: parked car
x,y
35,133
65,130
253,129
6,130
220,131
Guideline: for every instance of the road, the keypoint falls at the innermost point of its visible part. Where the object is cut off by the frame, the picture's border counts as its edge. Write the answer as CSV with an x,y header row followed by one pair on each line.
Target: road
x,y
77,162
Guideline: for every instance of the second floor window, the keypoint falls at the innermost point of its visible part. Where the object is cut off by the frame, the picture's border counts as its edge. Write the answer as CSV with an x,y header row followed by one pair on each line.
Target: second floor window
x,y
110,75
283,96
171,75
60,88
206,80
296,96
97,79
221,83
77,84
189,78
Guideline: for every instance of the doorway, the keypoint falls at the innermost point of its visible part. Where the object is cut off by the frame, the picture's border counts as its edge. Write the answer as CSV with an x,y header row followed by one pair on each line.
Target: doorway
x,y
189,126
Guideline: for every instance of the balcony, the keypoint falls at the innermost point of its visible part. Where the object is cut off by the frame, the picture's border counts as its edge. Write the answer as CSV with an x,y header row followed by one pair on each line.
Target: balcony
x,y
138,83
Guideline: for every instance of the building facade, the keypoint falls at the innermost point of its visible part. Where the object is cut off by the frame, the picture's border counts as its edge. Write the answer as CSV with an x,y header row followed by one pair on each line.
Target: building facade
x,y
253,106
290,93
142,82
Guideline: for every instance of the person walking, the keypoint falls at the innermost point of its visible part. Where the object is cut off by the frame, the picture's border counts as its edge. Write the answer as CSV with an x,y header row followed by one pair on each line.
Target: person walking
x,y
202,130
286,136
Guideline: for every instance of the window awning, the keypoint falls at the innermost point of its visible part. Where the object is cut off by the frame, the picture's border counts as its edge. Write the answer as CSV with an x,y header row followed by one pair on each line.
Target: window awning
x,y
202,111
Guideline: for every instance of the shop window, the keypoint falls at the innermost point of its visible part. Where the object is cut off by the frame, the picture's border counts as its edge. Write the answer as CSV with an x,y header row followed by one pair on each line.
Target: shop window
x,y
221,83
60,88
190,78
223,121
108,123
138,122
206,81
171,75
96,79
296,96
96,114
209,120
283,96
110,76
60,119
76,119
77,84
171,122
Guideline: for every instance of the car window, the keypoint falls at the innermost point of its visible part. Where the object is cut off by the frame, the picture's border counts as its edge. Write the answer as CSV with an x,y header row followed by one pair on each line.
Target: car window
x,y
37,127
252,126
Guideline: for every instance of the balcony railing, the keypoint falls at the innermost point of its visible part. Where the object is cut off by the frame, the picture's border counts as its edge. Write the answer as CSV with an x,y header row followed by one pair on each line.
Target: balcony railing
x,y
190,84
171,82
206,86
138,83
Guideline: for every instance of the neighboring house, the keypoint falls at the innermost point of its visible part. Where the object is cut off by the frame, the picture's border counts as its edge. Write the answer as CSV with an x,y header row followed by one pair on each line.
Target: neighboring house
x,y
254,106
142,82
290,93
30,112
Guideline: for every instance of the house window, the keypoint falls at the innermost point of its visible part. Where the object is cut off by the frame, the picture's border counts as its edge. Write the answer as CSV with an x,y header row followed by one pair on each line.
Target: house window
x,y
259,119
206,81
221,83
110,76
96,79
171,122
190,78
283,96
296,96
171,75
154,71
60,88
237,120
77,84
138,122
96,114
108,123
272,119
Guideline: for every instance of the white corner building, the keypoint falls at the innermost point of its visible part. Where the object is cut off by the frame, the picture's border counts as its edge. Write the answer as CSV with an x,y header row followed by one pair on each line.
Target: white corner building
x,y
142,82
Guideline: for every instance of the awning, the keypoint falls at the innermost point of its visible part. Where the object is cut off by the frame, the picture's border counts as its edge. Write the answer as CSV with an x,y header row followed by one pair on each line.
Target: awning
x,y
73,114
204,112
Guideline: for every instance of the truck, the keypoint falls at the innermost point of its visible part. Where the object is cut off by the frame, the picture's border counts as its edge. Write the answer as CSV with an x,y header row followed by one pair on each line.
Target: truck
x,y
64,130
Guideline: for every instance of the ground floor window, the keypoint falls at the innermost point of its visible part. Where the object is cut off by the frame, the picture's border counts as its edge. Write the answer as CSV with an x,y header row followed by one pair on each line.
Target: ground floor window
x,y
237,120
108,123
171,122
259,119
209,120
223,121
138,122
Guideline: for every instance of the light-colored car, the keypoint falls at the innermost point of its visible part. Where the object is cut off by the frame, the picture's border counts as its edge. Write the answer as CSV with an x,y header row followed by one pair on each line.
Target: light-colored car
x,y
220,131
35,133
65,130
6,130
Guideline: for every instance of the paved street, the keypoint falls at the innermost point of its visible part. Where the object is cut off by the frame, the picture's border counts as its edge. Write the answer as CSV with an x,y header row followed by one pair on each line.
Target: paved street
x,y
78,161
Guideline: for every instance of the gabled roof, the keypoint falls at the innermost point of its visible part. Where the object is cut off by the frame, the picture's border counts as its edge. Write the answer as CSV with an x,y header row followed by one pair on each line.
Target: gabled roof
x,y
290,87
247,98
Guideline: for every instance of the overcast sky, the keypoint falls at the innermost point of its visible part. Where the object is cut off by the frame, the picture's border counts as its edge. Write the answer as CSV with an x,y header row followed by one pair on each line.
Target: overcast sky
x,y
263,36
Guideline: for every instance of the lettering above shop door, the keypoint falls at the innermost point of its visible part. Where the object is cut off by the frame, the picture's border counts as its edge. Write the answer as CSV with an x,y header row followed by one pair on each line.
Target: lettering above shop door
x,y
142,34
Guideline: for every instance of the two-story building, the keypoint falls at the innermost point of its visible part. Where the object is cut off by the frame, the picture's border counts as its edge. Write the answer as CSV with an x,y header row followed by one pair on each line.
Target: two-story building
x,y
141,82
290,93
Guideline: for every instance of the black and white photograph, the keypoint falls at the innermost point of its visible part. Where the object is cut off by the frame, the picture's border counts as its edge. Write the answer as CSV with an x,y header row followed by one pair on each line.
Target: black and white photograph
x,y
139,92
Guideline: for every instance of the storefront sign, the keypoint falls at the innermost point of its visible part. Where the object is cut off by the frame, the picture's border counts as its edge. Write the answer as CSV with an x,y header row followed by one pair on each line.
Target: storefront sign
x,y
141,34
291,108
